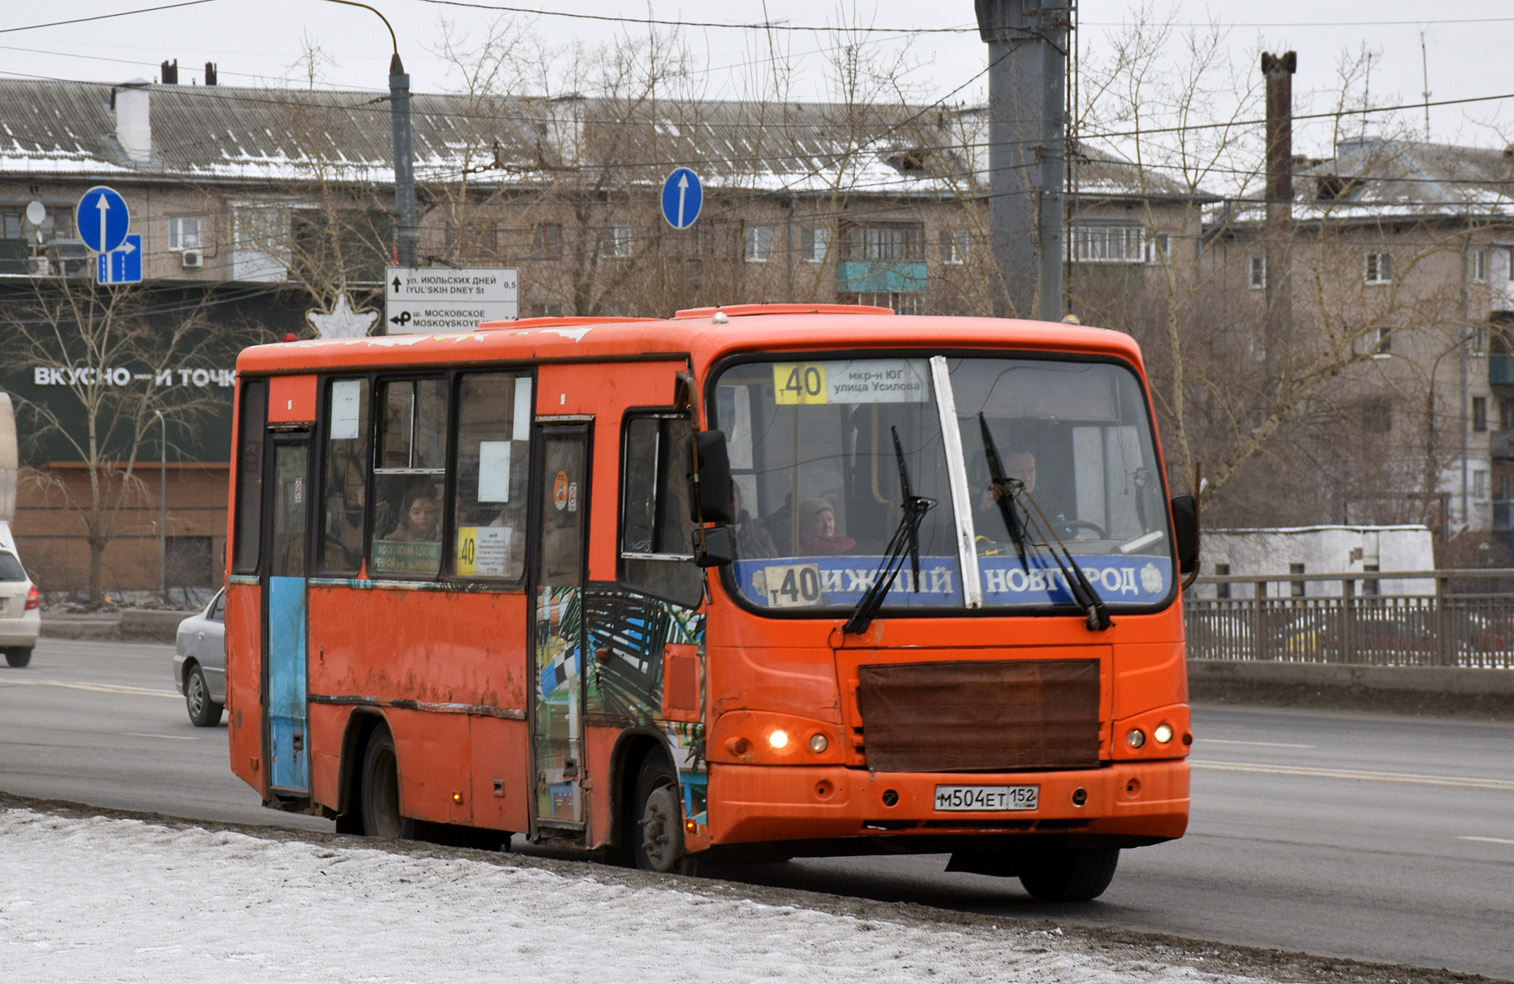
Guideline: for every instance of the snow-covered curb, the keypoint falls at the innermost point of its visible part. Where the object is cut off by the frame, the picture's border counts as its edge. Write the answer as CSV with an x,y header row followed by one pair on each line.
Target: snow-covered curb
x,y
102,899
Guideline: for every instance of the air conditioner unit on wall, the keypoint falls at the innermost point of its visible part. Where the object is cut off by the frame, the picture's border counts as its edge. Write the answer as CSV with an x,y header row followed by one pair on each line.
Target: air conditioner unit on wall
x,y
192,259
39,266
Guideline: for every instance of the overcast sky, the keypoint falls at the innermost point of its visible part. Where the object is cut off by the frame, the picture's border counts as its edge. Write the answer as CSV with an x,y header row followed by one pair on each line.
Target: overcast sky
x,y
256,41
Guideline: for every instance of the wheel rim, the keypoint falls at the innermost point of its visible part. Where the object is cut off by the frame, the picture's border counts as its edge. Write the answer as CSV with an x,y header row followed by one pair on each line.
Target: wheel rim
x,y
660,840
196,694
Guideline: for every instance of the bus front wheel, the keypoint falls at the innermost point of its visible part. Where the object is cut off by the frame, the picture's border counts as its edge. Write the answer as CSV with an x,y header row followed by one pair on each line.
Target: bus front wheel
x,y
1069,874
379,796
657,836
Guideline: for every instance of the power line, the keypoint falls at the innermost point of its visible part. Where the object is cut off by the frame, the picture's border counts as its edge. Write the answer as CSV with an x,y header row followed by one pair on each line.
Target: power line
x,y
758,26
98,17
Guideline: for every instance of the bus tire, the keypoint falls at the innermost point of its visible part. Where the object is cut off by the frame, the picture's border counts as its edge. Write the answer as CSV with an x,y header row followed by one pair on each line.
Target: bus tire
x,y
1069,874
657,833
379,791
203,712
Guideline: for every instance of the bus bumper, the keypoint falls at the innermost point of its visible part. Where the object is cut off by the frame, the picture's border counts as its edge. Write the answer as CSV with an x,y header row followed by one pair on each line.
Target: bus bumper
x,y
1142,801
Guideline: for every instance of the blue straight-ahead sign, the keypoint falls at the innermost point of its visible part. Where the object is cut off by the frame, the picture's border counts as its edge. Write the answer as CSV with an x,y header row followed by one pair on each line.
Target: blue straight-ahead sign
x,y
102,219
682,195
123,265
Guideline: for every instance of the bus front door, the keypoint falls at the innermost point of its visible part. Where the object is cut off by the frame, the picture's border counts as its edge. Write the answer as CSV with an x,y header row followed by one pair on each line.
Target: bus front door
x,y
557,645
284,661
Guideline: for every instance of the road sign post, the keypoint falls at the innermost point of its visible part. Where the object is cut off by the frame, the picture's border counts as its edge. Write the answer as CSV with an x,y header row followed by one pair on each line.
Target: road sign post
x,y
443,300
682,198
102,219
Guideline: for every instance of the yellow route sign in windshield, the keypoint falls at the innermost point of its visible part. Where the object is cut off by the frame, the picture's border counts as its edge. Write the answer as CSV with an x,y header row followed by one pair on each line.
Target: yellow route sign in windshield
x,y
799,382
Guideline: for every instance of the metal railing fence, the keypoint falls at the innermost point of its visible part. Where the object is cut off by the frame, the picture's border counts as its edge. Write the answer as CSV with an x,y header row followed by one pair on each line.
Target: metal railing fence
x,y
1468,620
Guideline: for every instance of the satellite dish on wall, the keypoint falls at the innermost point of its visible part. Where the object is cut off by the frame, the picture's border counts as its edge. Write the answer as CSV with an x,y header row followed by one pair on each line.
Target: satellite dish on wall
x,y
36,213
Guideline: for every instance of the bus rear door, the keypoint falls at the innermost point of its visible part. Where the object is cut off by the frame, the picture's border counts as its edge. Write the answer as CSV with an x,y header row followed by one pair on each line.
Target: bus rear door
x,y
558,639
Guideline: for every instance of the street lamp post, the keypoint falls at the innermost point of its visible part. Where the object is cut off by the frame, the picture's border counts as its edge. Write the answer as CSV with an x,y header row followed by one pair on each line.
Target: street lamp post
x,y
162,507
407,235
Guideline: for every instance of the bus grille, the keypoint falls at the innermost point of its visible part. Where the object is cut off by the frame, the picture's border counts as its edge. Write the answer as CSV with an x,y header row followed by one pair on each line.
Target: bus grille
x,y
980,716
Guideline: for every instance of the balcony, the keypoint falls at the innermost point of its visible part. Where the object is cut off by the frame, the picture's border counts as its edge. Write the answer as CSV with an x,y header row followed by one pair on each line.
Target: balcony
x,y
1501,445
1503,514
1500,369
880,276
1500,295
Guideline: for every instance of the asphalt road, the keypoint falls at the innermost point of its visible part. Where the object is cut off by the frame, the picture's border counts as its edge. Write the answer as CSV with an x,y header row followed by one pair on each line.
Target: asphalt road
x,y
1376,838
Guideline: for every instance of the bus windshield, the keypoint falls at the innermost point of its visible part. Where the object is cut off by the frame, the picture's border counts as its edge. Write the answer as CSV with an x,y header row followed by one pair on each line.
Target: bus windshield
x,y
818,478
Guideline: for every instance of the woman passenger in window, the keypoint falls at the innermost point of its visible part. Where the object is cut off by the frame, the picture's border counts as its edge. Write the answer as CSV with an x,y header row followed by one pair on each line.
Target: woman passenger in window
x,y
817,529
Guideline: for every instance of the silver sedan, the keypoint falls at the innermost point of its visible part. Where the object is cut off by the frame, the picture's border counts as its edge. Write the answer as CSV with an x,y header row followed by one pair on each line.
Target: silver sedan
x,y
199,663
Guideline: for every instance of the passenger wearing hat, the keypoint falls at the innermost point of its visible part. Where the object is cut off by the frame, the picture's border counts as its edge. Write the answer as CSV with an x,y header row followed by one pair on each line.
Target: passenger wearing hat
x,y
817,529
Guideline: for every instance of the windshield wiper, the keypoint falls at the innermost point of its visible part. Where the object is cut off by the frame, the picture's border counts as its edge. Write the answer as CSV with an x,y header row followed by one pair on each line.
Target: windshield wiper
x,y
906,538
1001,486
1083,591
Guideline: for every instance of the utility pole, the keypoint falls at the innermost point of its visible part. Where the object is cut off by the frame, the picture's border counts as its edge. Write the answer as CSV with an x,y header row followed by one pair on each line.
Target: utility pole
x,y
1277,254
1027,134
407,235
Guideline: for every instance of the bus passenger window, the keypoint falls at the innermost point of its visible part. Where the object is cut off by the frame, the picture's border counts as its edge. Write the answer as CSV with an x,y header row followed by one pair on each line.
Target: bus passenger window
x,y
409,478
249,500
656,529
493,463
345,489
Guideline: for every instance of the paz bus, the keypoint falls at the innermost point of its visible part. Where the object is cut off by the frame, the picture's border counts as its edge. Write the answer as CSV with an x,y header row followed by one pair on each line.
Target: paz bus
x,y
756,581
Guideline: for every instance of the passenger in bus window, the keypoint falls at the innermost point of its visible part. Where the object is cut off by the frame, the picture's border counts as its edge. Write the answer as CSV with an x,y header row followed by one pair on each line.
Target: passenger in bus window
x,y
817,529
419,520
752,540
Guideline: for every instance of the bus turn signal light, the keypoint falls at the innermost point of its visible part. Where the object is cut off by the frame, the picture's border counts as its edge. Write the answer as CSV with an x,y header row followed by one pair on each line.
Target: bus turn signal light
x,y
818,743
1135,738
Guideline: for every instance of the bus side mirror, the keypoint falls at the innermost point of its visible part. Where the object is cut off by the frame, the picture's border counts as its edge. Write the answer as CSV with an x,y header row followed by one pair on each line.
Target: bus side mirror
x,y
1185,527
711,478
714,547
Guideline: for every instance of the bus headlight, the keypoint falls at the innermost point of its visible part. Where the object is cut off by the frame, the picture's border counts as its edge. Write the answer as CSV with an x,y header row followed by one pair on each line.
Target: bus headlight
x,y
1162,733
778,738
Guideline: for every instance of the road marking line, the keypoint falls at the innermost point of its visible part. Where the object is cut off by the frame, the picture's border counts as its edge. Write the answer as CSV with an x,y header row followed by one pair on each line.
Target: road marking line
x,y
1487,840
143,734
1258,744
100,688
1466,782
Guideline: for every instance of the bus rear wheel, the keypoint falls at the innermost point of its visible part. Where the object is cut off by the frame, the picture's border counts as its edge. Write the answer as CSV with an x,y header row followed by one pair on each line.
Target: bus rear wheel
x,y
1069,874
657,835
379,794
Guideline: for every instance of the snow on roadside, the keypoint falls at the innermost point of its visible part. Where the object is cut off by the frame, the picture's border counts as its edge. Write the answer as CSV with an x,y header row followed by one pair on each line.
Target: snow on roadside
x,y
103,899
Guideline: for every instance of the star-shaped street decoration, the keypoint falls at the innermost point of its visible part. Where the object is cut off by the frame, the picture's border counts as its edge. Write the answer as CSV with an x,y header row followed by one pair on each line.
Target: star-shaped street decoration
x,y
342,322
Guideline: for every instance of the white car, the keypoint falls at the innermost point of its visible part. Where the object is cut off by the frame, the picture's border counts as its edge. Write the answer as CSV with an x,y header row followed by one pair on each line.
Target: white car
x,y
199,663
20,617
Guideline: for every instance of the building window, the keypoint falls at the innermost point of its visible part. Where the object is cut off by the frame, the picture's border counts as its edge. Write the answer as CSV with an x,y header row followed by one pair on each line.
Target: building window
x,y
1479,342
1506,414
1158,248
1379,342
616,242
1370,585
814,243
954,246
1222,590
759,244
546,241
1296,588
1108,244
1479,483
1479,413
897,242
183,232
1258,272
1377,415
897,301
1477,266
1377,268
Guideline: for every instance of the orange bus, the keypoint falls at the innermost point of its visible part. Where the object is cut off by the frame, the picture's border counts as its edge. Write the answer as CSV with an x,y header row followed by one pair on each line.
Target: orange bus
x,y
757,581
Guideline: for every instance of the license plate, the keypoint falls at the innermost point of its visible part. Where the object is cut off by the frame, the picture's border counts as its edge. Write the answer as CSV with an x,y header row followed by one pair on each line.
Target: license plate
x,y
975,798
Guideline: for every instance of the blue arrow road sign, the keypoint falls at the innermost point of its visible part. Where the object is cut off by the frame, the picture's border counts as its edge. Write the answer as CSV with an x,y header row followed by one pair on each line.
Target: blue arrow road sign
x,y
102,219
682,195
121,266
